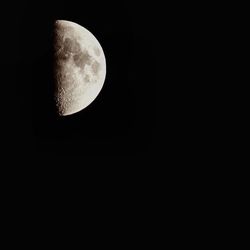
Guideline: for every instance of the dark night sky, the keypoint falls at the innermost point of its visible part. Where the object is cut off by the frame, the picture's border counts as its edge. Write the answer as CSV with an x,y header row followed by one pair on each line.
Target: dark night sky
x,y
120,121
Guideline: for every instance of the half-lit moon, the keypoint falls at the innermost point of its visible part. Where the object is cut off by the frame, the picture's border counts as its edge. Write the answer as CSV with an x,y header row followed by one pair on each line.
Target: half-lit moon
x,y
79,67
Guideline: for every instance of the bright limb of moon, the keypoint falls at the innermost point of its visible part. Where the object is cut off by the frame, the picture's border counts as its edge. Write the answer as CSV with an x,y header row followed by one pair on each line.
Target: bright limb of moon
x,y
79,67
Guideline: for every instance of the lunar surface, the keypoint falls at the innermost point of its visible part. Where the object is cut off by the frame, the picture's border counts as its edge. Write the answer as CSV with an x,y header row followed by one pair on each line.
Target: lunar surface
x,y
79,67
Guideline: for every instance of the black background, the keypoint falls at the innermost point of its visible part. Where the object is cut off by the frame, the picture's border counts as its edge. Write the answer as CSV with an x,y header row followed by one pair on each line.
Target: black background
x,y
121,121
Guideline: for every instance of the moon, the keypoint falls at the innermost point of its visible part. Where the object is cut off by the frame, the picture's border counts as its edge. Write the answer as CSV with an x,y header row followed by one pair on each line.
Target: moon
x,y
79,67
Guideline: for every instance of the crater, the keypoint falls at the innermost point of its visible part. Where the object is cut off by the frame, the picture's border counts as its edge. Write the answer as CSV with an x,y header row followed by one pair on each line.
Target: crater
x,y
95,67
87,78
64,56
